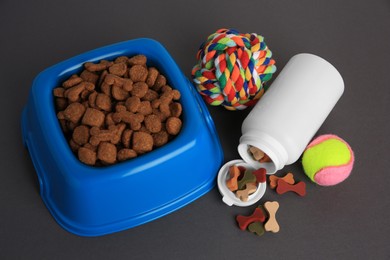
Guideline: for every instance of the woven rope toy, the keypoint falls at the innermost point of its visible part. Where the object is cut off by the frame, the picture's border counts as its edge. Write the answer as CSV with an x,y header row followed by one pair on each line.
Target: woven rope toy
x,y
232,68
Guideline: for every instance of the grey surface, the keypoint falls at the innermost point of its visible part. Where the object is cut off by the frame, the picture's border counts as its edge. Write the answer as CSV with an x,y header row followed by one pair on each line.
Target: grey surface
x,y
347,221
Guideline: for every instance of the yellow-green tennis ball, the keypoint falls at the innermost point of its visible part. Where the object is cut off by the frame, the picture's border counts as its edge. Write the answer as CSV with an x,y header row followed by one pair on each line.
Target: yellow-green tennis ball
x,y
328,160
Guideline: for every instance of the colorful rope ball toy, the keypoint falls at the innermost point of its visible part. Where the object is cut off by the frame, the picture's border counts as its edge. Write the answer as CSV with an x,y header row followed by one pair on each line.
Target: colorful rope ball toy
x,y
232,68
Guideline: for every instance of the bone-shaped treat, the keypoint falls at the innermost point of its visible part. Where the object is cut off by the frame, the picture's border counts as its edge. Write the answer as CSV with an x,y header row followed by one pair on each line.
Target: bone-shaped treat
x,y
232,182
247,178
273,180
249,189
283,187
260,175
256,228
271,225
244,221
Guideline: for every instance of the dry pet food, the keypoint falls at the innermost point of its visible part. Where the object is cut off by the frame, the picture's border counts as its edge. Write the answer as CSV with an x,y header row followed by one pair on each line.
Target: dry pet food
x,y
116,110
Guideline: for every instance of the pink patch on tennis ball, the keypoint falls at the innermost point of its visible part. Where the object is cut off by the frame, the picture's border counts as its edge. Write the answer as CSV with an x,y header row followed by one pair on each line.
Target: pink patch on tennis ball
x,y
332,175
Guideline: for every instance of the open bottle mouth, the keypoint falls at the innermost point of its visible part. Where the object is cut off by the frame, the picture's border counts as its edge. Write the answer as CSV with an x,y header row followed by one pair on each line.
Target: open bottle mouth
x,y
257,158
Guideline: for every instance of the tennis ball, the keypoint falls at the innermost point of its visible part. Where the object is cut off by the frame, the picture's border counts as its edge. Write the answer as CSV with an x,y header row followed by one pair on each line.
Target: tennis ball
x,y
328,160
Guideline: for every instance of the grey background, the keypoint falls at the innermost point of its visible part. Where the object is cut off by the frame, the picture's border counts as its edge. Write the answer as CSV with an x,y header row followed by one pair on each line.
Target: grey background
x,y
347,221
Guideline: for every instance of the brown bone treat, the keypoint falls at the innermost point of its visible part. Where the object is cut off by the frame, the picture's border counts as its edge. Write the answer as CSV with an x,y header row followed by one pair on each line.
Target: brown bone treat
x,y
153,123
122,115
137,60
138,73
173,125
160,138
250,188
126,137
271,224
244,221
92,67
103,102
160,82
125,154
93,117
89,76
132,104
107,152
61,103
112,79
145,108
283,187
73,93
256,153
74,112
119,93
175,109
234,172
273,180
152,76
58,92
118,69
139,89
87,156
72,81
113,134
256,228
142,142
81,134
265,159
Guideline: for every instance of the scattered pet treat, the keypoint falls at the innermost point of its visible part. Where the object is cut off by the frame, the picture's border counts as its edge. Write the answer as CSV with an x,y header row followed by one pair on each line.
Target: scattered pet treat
x,y
283,187
256,228
116,110
244,221
273,180
271,225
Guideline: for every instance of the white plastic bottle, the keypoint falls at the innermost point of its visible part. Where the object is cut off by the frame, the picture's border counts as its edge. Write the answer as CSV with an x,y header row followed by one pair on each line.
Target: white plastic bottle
x,y
286,118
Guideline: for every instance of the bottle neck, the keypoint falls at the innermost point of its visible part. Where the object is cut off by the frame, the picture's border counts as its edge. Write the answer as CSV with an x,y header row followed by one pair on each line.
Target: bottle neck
x,y
269,145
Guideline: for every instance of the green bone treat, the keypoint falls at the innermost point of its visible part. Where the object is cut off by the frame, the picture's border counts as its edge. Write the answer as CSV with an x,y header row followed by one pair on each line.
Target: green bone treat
x,y
256,228
247,178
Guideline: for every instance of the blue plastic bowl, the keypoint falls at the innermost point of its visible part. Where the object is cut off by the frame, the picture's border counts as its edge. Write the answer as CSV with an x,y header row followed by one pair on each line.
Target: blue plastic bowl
x,y
92,201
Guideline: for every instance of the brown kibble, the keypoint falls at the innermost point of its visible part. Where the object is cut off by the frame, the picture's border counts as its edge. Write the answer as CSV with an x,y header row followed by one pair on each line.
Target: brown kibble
x,y
81,134
175,109
164,109
112,79
127,85
176,94
102,77
107,153
121,59
156,103
90,147
161,115
125,154
72,81
58,92
145,108
126,137
139,89
160,138
92,99
142,142
173,125
160,82
137,60
73,145
118,69
93,117
87,156
166,88
153,123
119,93
61,103
74,112
103,102
150,95
73,93
89,76
108,120
71,126
152,76
92,67
132,104
138,73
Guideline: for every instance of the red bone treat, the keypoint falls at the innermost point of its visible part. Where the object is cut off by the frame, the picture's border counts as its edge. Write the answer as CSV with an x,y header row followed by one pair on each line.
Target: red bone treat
x,y
283,187
244,221
273,180
260,175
